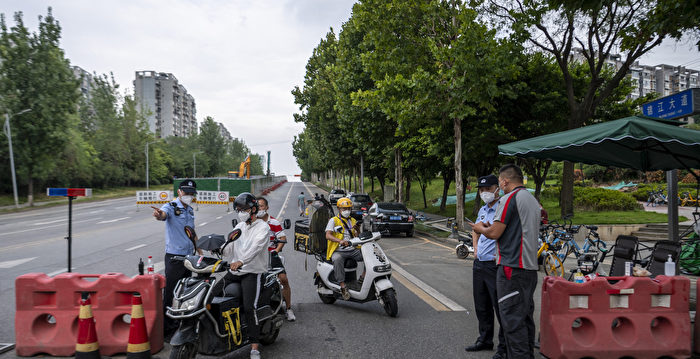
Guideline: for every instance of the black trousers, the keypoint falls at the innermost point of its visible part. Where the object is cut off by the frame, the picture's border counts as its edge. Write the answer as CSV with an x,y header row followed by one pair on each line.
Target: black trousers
x,y
174,271
251,285
517,305
486,302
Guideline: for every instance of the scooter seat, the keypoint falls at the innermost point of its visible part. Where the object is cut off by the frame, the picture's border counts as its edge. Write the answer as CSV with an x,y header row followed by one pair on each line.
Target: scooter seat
x,y
233,290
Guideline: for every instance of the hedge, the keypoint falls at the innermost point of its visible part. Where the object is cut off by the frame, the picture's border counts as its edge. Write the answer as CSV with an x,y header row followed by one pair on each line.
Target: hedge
x,y
596,199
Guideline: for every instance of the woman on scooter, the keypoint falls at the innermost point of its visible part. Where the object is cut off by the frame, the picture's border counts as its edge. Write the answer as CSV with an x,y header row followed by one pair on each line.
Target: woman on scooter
x,y
339,229
249,260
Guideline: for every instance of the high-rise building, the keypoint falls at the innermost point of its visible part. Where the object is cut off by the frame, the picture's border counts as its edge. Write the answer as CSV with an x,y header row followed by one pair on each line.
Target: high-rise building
x,y
224,132
86,81
170,110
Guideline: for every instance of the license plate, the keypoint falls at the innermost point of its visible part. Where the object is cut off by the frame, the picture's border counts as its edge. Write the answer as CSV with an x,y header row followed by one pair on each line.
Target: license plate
x,y
395,218
358,212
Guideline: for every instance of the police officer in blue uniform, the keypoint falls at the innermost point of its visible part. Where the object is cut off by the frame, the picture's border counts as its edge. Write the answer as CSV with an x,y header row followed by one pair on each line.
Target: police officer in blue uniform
x,y
484,271
176,214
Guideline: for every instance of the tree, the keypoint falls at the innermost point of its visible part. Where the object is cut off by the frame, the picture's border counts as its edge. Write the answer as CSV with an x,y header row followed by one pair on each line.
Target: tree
x,y
36,75
592,31
212,145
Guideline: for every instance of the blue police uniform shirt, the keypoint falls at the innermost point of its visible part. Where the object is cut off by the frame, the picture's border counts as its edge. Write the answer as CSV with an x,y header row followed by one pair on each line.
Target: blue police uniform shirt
x,y
486,248
176,241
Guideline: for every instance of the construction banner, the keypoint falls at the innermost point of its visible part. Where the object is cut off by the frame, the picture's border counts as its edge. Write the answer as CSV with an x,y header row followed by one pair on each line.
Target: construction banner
x,y
212,197
153,197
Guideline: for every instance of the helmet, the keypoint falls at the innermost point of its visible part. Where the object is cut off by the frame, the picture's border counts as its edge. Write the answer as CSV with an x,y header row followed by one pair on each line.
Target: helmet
x,y
245,200
344,203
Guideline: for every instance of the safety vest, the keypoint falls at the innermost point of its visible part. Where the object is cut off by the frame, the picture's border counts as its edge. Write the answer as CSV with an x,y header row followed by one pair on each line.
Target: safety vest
x,y
332,246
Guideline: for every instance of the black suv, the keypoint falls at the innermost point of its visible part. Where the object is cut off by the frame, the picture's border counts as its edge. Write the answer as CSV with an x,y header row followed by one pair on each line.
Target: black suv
x,y
360,203
390,217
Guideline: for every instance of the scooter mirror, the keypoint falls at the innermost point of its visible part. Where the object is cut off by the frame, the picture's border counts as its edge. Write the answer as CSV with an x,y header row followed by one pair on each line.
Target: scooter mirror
x,y
287,223
234,223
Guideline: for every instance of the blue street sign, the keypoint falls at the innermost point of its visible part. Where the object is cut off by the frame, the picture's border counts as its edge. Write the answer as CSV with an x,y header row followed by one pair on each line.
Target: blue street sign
x,y
682,104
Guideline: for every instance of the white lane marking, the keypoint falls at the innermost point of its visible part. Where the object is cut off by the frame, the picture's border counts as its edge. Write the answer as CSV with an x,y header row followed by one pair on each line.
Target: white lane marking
x,y
122,207
113,220
14,263
285,202
57,272
219,217
55,225
159,267
428,289
98,211
134,248
203,224
49,222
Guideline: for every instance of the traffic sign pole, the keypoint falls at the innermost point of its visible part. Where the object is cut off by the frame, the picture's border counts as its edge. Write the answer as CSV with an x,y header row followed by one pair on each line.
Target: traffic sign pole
x,y
70,230
71,193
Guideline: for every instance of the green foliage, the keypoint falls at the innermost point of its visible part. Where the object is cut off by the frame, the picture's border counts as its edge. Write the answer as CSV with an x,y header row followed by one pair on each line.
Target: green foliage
x,y
596,199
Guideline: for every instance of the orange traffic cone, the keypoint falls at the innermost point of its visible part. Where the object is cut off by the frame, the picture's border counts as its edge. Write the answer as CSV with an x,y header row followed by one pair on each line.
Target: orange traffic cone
x,y
139,346
86,346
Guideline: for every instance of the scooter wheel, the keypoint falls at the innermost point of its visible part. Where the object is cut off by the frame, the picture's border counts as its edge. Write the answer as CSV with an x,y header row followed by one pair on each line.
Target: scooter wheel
x,y
391,305
184,351
326,299
462,252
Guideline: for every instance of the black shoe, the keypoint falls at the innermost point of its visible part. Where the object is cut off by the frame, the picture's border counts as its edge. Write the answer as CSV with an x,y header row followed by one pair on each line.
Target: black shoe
x,y
478,346
499,355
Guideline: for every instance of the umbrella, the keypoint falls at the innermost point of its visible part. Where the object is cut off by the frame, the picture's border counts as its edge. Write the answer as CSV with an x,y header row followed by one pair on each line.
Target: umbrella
x,y
631,142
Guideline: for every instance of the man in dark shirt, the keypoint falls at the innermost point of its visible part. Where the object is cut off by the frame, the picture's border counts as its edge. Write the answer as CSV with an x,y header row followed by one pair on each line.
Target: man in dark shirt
x,y
516,226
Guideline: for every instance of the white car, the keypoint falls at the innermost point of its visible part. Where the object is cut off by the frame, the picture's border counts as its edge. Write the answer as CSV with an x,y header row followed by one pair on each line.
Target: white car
x,y
335,195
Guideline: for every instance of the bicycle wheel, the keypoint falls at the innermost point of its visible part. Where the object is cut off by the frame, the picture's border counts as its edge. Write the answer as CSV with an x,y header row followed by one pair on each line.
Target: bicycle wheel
x,y
601,245
564,251
553,265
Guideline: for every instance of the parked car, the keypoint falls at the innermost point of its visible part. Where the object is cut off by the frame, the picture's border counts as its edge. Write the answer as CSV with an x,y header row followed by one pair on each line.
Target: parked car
x,y
360,203
335,195
390,217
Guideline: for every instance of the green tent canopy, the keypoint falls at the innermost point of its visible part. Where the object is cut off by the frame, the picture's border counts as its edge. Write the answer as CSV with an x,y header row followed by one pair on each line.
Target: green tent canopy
x,y
631,142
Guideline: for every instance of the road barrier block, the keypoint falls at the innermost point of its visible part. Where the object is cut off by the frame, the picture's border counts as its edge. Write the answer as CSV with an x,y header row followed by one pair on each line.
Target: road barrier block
x,y
47,308
636,317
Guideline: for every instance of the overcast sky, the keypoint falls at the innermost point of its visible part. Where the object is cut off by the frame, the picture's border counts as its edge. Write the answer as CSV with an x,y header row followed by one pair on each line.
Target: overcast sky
x,y
239,59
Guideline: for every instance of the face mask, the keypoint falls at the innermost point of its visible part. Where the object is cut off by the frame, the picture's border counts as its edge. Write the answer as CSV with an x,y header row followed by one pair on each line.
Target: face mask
x,y
487,197
243,216
186,199
261,213
345,213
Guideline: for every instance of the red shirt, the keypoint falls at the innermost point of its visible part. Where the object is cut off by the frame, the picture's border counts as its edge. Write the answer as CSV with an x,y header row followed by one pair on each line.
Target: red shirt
x,y
276,231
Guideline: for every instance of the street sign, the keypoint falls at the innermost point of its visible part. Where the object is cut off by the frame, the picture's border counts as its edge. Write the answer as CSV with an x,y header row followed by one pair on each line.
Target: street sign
x,y
153,197
212,197
682,104
70,193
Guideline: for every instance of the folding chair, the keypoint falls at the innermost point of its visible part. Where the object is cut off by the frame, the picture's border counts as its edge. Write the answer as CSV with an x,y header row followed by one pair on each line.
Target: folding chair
x,y
625,250
659,256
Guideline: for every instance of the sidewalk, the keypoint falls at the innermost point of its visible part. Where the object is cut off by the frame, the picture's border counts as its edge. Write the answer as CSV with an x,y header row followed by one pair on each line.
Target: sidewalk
x,y
687,212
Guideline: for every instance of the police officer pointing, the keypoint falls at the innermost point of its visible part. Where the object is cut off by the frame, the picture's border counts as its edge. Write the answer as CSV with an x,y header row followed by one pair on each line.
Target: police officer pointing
x,y
176,214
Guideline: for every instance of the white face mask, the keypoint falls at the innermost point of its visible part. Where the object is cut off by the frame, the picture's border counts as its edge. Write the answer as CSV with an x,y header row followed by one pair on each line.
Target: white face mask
x,y
345,213
261,213
243,216
487,197
187,199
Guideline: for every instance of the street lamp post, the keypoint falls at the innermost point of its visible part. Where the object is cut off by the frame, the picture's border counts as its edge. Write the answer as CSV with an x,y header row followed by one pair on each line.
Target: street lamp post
x,y
194,162
147,179
8,133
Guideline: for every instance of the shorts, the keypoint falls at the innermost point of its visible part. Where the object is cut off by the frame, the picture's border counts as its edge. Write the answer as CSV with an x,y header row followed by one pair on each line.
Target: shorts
x,y
276,261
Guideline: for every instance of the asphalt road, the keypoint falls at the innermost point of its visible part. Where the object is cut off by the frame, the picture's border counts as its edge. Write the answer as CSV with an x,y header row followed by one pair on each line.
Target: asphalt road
x,y
436,317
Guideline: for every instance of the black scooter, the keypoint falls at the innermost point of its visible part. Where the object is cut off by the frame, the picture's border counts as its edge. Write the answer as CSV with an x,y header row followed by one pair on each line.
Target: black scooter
x,y
211,316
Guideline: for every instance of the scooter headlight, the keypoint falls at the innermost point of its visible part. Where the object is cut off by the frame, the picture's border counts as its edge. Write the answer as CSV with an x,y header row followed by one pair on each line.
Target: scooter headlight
x,y
192,303
382,268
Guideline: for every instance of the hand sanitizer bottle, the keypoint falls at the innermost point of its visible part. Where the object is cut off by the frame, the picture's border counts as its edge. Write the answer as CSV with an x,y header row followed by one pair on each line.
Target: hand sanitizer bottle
x,y
670,267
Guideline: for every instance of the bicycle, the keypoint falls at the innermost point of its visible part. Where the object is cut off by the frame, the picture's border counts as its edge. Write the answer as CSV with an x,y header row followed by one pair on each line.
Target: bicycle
x,y
656,197
546,254
570,246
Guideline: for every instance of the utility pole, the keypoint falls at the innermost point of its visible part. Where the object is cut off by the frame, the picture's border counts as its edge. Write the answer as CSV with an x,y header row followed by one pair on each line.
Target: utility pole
x,y
8,133
147,179
194,162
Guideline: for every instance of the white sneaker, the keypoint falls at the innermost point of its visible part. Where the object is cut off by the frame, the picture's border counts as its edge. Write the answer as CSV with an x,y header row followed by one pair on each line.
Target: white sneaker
x,y
290,315
254,354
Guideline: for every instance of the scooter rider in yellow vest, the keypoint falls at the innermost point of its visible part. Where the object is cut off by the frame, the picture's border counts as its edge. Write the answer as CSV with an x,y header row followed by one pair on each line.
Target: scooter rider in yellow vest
x,y
338,230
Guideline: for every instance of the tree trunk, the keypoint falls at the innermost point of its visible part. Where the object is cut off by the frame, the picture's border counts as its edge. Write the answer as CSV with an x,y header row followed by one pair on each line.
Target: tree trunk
x,y
423,187
380,179
459,210
408,188
446,180
399,176
30,190
477,205
345,181
566,199
371,178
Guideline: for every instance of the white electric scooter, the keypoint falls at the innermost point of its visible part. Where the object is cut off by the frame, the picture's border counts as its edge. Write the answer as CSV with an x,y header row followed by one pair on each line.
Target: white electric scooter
x,y
376,284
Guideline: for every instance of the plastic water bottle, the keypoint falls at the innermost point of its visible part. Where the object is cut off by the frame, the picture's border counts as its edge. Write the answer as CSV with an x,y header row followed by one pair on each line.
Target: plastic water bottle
x,y
151,268
578,277
670,267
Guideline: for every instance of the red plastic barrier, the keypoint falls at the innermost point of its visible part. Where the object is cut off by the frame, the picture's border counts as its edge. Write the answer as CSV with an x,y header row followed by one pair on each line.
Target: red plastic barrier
x,y
636,317
696,338
47,308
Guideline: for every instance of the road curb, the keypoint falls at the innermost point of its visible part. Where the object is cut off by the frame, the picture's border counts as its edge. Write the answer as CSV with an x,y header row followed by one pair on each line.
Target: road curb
x,y
445,240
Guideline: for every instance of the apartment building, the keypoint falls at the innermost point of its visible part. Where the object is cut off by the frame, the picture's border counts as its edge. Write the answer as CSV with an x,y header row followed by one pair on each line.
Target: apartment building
x,y
224,132
86,81
170,110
